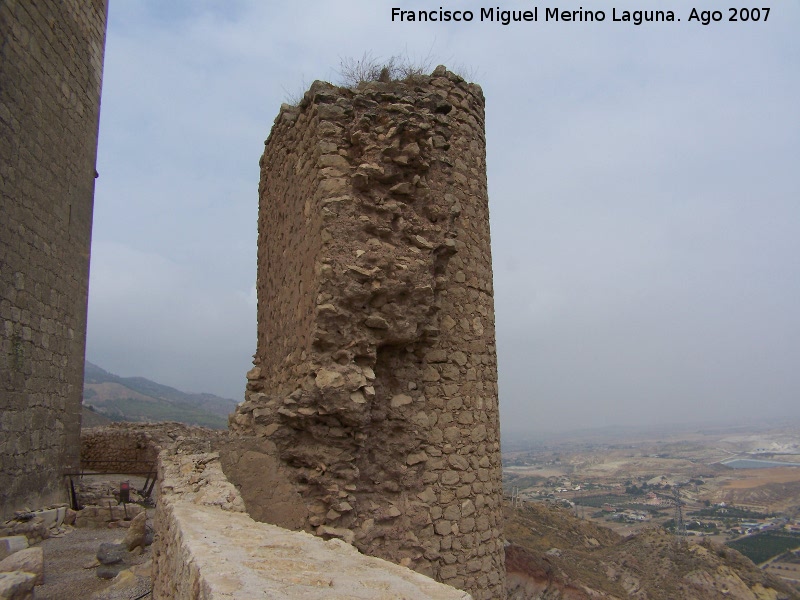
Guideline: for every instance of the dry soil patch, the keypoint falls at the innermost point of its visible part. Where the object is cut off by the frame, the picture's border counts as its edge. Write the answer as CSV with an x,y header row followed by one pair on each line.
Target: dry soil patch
x,y
758,477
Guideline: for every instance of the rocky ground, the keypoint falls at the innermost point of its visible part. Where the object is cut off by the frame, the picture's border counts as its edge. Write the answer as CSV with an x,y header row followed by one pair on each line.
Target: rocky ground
x,y
70,567
554,555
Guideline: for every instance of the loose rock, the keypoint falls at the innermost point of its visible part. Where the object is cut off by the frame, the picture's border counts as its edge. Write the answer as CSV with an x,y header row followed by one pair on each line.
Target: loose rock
x,y
29,560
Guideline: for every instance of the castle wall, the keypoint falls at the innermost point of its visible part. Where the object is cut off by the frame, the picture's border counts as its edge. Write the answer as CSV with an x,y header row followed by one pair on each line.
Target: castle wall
x,y
132,447
51,63
375,374
207,548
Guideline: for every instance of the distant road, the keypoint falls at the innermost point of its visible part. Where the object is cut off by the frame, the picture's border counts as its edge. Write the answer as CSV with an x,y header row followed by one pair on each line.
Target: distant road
x,y
755,463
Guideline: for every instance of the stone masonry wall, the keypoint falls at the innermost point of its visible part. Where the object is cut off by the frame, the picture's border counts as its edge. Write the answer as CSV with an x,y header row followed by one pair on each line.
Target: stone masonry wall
x,y
51,63
134,447
375,374
207,548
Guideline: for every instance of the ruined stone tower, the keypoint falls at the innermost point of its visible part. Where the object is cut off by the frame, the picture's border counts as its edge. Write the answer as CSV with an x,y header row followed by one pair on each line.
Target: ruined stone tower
x,y
51,66
375,374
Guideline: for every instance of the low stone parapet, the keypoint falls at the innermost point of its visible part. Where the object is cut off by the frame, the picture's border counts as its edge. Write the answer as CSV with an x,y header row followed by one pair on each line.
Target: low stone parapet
x,y
208,548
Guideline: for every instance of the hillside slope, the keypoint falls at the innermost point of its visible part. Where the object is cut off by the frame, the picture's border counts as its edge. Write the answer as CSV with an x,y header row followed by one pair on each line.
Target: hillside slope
x,y
91,418
555,556
140,399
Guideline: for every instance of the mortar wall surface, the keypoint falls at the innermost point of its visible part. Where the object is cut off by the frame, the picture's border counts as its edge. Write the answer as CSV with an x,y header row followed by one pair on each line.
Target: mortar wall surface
x,y
51,62
375,374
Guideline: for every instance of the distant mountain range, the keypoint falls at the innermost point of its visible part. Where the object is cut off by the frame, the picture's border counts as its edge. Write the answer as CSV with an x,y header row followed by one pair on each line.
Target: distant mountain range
x,y
139,399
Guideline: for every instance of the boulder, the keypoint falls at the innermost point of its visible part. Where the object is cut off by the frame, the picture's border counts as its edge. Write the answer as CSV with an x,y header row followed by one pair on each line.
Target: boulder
x,y
109,571
17,585
69,517
110,553
137,532
29,560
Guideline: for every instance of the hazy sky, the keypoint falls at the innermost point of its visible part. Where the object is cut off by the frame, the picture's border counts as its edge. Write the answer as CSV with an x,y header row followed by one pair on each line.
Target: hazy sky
x,y
644,186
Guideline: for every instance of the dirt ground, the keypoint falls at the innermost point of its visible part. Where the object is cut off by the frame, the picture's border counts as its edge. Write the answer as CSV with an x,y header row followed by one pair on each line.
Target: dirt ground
x,y
70,568
752,478
788,571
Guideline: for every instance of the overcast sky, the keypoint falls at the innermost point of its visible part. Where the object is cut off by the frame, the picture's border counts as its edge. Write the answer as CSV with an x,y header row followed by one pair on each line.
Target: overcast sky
x,y
644,188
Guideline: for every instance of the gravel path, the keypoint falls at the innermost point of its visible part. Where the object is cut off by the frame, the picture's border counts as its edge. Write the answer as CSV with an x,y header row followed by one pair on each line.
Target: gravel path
x,y
69,571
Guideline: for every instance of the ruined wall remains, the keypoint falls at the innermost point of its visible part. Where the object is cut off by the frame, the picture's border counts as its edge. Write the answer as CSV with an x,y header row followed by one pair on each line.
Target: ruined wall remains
x,y
375,374
51,63
134,447
207,548
250,463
